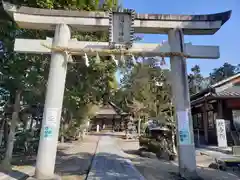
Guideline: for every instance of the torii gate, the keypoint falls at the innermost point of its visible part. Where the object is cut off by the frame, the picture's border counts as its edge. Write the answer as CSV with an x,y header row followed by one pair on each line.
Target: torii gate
x,y
60,20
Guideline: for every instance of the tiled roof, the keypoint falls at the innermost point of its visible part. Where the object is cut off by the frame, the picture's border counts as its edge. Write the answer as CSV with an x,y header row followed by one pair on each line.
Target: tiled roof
x,y
233,91
110,109
228,89
106,111
220,83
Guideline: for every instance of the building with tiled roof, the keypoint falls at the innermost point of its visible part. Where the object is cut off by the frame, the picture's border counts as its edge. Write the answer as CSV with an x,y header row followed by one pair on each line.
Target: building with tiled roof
x,y
219,101
109,117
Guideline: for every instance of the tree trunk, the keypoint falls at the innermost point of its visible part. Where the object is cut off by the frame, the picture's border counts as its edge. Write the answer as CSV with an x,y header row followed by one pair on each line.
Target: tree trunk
x,y
173,114
62,139
10,144
25,124
6,131
2,132
62,130
80,134
38,119
65,127
126,127
31,124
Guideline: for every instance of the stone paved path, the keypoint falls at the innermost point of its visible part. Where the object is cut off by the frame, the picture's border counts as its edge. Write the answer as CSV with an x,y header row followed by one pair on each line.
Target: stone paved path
x,y
109,163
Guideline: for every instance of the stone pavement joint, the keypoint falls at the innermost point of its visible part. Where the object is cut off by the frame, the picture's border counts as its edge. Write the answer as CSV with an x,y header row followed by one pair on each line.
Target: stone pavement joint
x,y
109,163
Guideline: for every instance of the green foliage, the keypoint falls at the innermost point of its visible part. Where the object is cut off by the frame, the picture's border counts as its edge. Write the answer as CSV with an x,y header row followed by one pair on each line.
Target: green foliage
x,y
86,87
26,142
160,147
88,5
145,92
195,80
151,144
223,72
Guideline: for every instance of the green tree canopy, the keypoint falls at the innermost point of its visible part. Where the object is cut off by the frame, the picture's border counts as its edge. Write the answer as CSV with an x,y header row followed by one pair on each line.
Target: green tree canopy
x,y
223,72
146,90
195,80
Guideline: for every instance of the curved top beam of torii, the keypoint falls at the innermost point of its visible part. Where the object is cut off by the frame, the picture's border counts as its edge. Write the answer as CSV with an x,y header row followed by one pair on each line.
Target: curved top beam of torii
x,y
36,18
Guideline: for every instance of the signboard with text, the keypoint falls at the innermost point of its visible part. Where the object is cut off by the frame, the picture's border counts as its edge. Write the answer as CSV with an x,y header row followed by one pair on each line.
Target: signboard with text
x,y
121,30
221,133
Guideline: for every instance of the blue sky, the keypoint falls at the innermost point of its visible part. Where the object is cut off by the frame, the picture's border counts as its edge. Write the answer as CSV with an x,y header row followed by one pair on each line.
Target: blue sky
x,y
228,37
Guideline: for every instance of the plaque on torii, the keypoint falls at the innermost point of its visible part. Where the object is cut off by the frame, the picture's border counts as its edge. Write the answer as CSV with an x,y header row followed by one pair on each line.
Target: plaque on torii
x,y
121,30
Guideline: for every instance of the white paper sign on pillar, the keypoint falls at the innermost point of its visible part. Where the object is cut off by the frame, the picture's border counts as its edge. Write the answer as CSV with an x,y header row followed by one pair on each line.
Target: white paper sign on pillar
x,y
51,116
51,122
221,133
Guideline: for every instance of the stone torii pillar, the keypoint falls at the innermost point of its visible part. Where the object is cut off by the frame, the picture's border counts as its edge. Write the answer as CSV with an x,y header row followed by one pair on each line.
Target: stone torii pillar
x,y
173,25
181,100
53,106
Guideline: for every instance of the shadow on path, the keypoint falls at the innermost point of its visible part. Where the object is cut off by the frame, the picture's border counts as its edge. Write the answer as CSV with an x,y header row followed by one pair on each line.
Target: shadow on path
x,y
73,165
15,175
107,166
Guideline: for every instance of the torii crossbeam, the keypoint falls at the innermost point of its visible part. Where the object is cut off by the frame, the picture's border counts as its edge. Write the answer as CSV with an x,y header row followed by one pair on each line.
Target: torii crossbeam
x,y
37,46
35,18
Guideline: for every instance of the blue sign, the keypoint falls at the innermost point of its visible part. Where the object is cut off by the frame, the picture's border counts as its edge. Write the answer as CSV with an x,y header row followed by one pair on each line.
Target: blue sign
x,y
183,126
184,137
48,132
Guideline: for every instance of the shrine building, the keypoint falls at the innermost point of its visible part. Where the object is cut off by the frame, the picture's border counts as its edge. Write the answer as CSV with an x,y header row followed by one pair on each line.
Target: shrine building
x,y
219,101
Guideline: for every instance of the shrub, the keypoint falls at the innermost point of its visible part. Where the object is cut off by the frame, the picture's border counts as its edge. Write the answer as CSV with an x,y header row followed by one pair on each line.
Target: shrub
x,y
160,147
